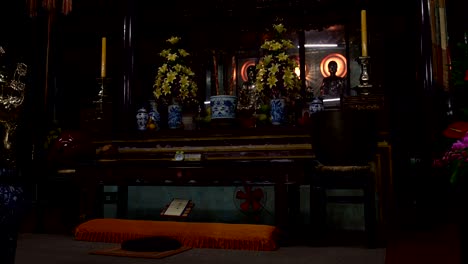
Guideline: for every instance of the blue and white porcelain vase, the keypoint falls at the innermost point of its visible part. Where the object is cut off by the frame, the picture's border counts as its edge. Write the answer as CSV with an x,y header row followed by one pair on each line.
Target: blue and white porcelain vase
x,y
223,106
174,116
142,119
316,105
153,114
277,111
12,209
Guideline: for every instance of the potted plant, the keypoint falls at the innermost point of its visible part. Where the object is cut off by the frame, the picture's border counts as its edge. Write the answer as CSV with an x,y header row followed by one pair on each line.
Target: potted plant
x,y
451,160
175,84
276,78
455,135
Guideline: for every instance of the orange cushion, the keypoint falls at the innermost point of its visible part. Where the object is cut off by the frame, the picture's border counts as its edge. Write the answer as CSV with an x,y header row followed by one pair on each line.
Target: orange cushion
x,y
190,234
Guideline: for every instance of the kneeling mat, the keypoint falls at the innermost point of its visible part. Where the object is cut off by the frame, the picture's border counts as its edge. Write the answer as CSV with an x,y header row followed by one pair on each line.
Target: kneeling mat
x,y
147,244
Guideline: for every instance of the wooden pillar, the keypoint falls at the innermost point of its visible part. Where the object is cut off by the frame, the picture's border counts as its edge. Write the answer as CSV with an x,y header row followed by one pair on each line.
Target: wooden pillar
x,y
302,64
125,113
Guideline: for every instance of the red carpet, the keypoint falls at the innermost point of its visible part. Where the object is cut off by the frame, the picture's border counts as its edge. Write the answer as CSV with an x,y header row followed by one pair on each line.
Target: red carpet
x,y
438,246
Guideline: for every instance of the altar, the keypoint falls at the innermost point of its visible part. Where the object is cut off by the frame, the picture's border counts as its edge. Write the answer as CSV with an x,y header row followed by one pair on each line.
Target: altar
x,y
273,156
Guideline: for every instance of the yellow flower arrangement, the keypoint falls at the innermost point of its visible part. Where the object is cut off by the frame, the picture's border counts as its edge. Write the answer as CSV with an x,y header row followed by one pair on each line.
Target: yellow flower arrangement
x,y
275,71
175,81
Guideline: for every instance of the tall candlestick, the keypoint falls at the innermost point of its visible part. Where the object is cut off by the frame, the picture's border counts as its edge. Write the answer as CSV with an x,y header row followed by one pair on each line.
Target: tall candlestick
x,y
103,58
363,33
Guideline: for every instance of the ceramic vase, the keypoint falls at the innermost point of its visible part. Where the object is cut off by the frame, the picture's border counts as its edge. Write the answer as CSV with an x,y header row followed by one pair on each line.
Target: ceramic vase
x,y
142,119
174,116
13,205
223,106
153,114
277,111
316,106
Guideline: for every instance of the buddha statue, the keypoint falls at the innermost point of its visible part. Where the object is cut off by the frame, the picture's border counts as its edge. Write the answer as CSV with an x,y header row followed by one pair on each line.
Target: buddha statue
x,y
248,96
332,86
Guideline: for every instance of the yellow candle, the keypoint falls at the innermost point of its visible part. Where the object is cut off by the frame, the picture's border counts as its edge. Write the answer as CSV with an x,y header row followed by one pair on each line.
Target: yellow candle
x,y
363,33
103,58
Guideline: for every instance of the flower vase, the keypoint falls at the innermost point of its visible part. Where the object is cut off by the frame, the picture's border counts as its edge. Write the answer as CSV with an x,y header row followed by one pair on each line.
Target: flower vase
x,y
316,105
142,119
277,111
13,205
174,116
153,115
223,106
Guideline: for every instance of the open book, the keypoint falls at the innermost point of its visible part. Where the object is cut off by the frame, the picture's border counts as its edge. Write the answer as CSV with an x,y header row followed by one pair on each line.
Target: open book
x,y
176,207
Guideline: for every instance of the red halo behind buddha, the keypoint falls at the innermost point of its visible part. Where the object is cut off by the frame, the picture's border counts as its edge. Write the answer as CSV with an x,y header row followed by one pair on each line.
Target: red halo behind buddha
x,y
340,60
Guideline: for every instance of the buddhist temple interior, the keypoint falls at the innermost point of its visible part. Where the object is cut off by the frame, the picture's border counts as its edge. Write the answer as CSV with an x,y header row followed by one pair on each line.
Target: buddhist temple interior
x,y
82,152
